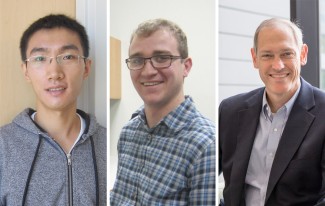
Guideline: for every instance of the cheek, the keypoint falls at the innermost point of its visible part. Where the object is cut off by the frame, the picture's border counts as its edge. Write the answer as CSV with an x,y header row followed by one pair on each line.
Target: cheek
x,y
134,76
295,66
35,80
78,81
75,80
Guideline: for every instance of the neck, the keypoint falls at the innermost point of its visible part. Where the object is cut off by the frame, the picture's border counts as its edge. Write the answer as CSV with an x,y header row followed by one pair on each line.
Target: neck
x,y
62,126
277,101
155,113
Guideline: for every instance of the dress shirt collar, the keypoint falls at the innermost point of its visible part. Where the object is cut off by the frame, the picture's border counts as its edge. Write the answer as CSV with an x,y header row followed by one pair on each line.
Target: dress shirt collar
x,y
288,106
176,119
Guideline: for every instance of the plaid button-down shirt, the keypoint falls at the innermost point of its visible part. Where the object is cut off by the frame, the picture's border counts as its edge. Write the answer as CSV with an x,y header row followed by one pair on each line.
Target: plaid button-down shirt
x,y
170,164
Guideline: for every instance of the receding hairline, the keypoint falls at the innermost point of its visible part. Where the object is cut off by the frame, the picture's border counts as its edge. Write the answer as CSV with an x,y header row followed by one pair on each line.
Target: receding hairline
x,y
280,23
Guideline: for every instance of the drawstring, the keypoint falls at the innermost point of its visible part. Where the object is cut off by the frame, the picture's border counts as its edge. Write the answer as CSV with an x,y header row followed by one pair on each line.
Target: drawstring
x,y
95,169
33,164
31,170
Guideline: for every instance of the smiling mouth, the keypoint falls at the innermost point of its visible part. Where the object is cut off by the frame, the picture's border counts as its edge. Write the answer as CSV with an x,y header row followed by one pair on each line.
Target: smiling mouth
x,y
279,75
150,83
56,89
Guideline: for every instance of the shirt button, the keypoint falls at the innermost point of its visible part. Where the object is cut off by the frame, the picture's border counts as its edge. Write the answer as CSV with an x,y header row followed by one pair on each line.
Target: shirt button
x,y
275,129
134,195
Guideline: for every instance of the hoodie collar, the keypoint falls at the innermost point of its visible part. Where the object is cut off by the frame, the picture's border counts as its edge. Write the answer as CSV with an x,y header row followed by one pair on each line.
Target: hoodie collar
x,y
25,121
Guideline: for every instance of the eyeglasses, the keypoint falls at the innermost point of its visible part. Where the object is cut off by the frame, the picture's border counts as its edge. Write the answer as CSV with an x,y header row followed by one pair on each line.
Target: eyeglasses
x,y
157,62
40,61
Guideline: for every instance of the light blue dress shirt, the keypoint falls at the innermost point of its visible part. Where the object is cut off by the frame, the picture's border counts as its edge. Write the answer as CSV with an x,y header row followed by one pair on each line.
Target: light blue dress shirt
x,y
266,142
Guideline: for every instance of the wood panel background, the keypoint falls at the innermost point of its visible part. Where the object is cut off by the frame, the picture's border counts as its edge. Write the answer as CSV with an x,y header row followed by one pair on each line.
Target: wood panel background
x,y
115,68
15,17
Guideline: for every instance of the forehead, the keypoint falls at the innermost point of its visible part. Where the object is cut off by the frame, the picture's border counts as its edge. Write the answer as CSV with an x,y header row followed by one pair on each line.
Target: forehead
x,y
160,40
276,36
53,39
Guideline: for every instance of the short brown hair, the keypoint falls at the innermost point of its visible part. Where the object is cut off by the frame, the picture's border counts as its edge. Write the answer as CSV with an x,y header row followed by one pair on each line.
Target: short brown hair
x,y
148,27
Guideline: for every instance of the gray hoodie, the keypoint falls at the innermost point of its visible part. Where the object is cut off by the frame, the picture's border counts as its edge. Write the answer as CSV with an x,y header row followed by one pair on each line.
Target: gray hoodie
x,y
34,169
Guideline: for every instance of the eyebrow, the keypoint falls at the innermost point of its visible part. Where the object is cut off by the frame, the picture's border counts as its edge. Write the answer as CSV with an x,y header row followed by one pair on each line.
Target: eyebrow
x,y
62,49
38,49
69,47
155,53
282,50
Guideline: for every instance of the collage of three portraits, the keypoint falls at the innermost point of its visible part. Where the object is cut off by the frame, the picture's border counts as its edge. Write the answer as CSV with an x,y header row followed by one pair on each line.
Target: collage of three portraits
x,y
165,102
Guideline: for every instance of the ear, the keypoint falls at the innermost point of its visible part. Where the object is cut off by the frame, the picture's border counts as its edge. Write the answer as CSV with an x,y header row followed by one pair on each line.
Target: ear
x,y
87,68
25,71
254,58
188,66
303,54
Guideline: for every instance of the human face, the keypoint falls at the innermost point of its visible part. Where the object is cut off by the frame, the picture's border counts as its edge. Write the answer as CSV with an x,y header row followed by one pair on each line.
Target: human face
x,y
279,61
159,88
56,86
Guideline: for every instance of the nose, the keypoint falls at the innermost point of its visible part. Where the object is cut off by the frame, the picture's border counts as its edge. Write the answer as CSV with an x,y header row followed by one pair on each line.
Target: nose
x,y
54,70
148,69
277,63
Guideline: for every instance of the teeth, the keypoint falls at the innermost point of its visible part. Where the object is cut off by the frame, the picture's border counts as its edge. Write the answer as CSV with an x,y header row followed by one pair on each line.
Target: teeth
x,y
150,83
279,75
56,89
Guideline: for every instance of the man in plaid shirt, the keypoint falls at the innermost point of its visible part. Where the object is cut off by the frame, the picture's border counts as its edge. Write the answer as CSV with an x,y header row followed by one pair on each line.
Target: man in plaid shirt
x,y
167,150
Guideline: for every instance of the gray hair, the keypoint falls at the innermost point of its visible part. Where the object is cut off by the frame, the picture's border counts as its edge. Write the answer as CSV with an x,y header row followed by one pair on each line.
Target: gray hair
x,y
274,22
148,27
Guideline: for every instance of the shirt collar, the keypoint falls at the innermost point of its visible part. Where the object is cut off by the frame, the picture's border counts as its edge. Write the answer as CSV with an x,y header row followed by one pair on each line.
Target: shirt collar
x,y
176,119
288,106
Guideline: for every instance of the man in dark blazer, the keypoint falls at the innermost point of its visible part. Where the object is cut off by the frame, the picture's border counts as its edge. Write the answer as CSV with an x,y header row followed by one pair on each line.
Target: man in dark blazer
x,y
272,139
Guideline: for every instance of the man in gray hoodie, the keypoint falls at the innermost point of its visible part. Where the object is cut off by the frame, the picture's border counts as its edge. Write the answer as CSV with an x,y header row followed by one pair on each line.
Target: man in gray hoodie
x,y
56,154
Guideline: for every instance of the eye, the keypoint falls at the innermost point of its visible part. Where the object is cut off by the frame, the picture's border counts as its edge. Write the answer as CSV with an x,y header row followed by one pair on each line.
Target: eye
x,y
38,59
69,57
161,58
266,56
136,61
288,55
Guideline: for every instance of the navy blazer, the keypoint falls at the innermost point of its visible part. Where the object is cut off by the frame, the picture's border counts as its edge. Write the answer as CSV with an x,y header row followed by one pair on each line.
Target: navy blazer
x,y
298,172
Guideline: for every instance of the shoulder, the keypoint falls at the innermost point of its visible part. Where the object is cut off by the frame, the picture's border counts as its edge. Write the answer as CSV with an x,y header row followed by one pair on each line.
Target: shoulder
x,y
96,130
200,123
8,133
92,125
21,125
195,131
319,94
135,120
7,128
241,98
241,101
310,97
188,120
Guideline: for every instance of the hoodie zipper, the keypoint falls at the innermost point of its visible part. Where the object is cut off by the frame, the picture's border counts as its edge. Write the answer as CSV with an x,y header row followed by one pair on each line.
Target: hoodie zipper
x,y
70,189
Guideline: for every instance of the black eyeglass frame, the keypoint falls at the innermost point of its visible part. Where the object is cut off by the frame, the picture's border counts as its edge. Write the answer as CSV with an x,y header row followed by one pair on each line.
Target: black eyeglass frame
x,y
171,58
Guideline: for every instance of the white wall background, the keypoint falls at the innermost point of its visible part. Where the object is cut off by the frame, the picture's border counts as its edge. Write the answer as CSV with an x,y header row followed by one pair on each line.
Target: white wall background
x,y
197,19
238,21
94,96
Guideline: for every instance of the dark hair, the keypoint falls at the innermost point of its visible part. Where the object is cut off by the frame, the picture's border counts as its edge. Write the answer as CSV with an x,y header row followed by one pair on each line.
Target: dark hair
x,y
50,22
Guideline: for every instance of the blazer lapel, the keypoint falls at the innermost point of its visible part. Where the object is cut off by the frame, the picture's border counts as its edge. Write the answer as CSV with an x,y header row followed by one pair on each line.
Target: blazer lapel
x,y
248,121
294,132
